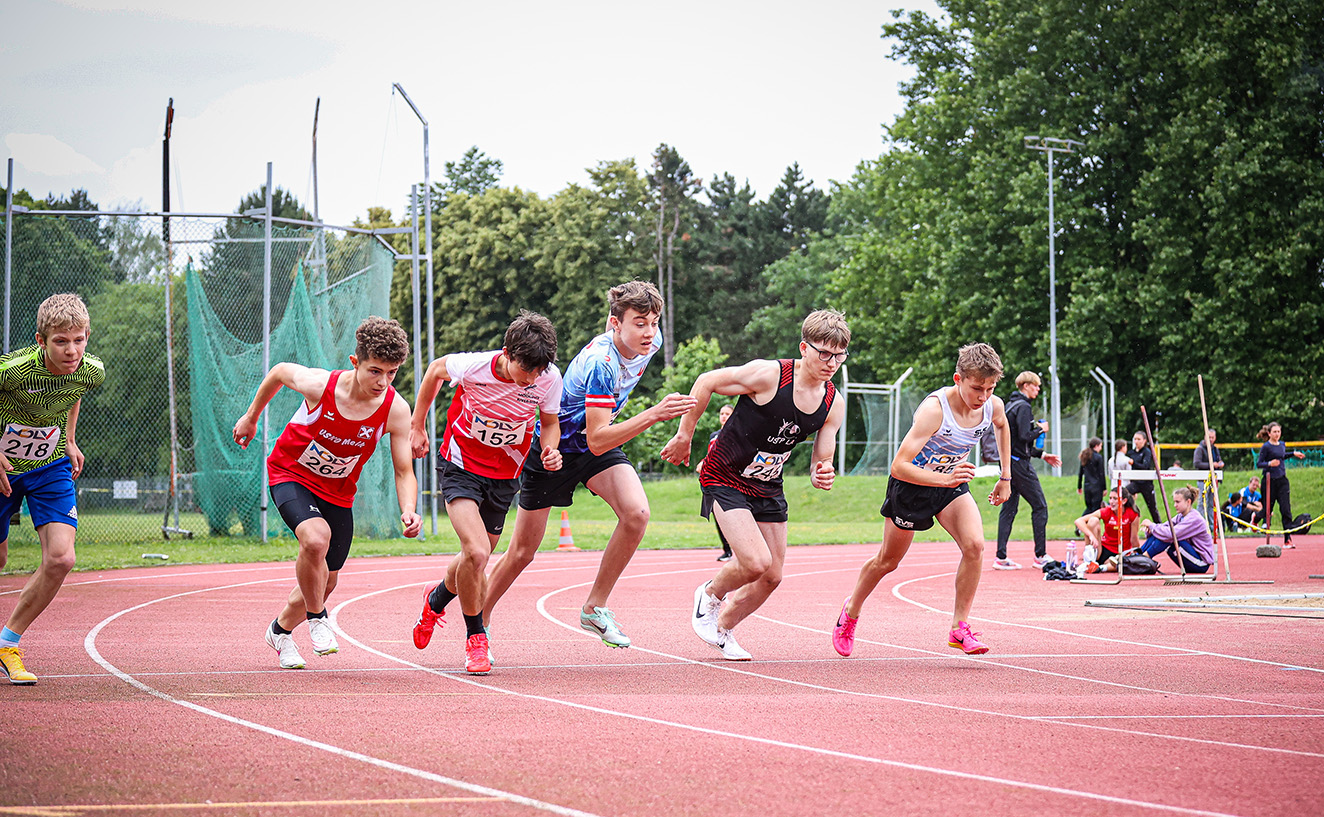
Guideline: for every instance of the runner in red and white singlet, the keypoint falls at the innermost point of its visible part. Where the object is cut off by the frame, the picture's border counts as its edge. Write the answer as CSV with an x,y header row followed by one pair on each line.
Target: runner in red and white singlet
x,y
499,397
323,450
315,465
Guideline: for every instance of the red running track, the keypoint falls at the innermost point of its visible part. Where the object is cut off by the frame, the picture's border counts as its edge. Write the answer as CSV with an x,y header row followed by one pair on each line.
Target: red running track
x,y
158,695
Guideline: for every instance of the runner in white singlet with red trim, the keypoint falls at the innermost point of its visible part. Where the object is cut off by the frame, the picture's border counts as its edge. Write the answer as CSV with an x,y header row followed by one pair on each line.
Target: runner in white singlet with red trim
x,y
315,464
499,397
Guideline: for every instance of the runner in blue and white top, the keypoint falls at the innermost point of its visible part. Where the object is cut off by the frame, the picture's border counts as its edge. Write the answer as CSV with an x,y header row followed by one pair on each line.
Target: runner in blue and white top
x,y
930,482
600,376
595,387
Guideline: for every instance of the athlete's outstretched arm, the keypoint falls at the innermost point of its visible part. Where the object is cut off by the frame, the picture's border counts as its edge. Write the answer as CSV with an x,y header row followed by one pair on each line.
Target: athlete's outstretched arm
x,y
821,473
308,382
603,435
756,378
1002,431
427,392
406,486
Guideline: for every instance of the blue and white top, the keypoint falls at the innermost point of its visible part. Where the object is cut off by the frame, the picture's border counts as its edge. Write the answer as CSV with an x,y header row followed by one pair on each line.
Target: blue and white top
x,y
598,377
952,443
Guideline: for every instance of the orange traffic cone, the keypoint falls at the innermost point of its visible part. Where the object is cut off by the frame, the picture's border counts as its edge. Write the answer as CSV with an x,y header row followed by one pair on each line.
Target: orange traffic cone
x,y
566,542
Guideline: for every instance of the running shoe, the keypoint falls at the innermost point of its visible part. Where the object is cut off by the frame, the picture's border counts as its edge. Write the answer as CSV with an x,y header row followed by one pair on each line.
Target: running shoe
x,y
283,643
962,639
1040,561
725,557
843,635
476,661
427,620
731,651
602,623
706,609
11,660
322,636
1005,564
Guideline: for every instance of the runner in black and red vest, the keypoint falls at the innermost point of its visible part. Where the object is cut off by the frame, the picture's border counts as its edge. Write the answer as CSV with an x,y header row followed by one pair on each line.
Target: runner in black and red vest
x,y
782,403
314,469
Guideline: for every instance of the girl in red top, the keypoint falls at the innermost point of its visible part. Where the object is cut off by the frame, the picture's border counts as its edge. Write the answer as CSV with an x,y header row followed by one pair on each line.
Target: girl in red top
x,y
314,468
1102,531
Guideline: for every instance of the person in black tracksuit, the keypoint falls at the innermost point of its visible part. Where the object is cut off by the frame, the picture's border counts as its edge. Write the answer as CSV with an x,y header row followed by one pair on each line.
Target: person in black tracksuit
x,y
1142,459
1024,481
1090,481
1277,489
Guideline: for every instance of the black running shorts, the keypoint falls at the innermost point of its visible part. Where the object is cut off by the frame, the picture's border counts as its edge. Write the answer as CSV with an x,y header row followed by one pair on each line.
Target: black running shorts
x,y
297,505
764,508
492,495
913,507
540,488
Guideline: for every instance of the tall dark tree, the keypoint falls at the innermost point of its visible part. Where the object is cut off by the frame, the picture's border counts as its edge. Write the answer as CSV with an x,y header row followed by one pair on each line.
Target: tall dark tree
x,y
475,173
673,184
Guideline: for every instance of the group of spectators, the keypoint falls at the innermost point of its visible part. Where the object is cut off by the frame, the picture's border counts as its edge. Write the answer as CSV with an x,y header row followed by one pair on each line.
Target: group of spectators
x,y
1116,527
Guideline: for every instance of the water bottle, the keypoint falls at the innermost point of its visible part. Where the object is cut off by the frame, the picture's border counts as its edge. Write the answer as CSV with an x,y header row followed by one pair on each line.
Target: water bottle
x,y
1071,555
1041,439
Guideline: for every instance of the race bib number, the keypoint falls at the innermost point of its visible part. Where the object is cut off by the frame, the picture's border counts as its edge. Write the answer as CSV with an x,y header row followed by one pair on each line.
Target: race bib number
x,y
325,464
496,433
765,467
946,463
28,443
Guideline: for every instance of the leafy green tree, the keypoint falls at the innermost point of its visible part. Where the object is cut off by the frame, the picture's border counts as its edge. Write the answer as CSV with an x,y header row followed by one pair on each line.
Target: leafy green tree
x,y
673,185
232,272
473,175
1189,229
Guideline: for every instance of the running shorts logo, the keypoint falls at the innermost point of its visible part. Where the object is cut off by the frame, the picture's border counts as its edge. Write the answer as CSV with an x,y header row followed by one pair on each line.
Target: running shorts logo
x,y
73,512
903,523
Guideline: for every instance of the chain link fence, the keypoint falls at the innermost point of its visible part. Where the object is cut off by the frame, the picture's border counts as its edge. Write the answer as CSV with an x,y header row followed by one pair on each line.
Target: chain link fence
x,y
182,299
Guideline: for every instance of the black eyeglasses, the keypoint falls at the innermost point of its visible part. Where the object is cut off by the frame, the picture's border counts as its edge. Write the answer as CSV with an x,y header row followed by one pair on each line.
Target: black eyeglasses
x,y
840,357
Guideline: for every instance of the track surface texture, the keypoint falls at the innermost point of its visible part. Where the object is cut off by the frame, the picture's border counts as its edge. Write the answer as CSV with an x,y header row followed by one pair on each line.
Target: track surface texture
x,y
157,694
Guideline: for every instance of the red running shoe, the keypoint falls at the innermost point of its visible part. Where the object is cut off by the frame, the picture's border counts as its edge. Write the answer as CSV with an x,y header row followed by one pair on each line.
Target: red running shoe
x,y
427,620
476,661
962,639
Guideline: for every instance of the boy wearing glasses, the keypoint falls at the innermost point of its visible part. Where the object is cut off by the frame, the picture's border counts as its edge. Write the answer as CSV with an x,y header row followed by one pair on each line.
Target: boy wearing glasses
x,y
781,404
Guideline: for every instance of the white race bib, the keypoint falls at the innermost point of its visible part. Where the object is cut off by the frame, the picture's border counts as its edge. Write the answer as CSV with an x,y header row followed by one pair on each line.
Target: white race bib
x,y
946,463
496,433
325,464
765,467
28,443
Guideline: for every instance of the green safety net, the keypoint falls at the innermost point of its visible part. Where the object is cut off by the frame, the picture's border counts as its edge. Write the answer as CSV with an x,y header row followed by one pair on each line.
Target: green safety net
x,y
317,305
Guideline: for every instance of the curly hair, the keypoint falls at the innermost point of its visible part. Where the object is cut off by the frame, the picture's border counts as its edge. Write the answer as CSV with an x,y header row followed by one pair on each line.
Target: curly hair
x,y
63,311
381,339
531,341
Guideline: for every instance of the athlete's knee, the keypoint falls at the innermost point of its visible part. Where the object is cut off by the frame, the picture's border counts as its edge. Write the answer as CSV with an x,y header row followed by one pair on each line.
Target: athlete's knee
x,y
971,549
315,543
59,563
635,520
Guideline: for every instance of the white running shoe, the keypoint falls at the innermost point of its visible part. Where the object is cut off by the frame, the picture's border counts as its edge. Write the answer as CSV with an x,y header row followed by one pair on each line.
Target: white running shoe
x,y
1005,564
323,637
283,643
731,651
704,620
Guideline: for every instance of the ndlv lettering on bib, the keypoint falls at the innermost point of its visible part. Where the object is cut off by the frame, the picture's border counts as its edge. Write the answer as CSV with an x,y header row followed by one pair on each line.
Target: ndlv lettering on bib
x,y
28,443
765,466
326,464
946,463
496,433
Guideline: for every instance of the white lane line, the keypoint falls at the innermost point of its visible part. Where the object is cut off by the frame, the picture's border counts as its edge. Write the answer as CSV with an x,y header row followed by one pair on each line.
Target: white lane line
x,y
896,591
735,735
89,644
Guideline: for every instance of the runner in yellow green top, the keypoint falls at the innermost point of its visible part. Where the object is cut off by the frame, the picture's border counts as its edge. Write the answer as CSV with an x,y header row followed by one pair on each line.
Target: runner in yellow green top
x,y
41,388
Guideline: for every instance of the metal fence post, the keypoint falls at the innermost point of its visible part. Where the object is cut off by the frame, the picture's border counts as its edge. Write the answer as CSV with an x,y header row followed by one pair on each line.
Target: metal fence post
x,y
266,347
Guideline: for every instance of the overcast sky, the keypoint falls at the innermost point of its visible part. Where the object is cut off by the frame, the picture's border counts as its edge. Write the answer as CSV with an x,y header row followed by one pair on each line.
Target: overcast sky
x,y
548,88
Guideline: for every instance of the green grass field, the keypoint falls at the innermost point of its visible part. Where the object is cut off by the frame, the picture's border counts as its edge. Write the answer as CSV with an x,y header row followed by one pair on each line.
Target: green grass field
x,y
847,514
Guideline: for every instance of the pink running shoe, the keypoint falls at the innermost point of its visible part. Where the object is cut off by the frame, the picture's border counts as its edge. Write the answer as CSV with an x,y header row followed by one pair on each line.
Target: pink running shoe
x,y
962,639
427,620
476,661
843,635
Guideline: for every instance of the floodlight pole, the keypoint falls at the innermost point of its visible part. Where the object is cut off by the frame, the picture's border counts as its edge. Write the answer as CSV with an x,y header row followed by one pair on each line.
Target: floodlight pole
x,y
432,334
266,346
9,244
1050,146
